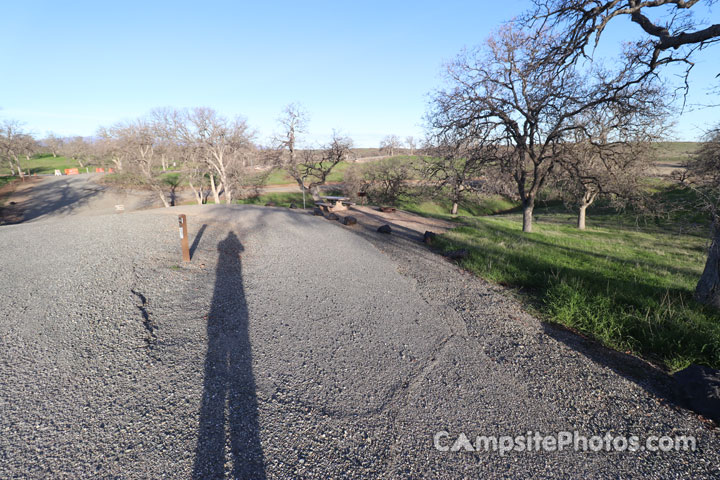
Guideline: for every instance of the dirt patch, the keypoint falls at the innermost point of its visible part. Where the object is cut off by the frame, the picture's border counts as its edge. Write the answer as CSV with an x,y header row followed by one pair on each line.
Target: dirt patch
x,y
12,196
401,222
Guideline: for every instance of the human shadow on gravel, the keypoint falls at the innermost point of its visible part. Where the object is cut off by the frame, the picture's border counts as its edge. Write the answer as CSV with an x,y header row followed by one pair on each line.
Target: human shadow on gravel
x,y
229,432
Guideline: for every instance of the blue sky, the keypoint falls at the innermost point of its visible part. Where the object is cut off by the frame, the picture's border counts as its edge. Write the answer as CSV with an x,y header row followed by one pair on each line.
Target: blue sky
x,y
364,68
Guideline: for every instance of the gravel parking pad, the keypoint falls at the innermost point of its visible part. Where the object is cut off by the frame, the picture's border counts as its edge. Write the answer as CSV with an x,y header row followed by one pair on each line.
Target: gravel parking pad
x,y
294,347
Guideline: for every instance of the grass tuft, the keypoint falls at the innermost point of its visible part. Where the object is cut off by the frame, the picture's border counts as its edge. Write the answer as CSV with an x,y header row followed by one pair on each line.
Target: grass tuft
x,y
631,290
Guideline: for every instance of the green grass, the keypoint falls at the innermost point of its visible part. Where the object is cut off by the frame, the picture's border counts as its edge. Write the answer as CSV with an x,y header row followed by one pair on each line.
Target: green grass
x,y
281,177
281,199
440,207
5,180
630,289
123,179
45,163
675,151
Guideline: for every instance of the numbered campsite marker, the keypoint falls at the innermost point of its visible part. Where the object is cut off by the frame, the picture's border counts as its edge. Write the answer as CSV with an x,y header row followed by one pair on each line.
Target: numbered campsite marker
x,y
182,227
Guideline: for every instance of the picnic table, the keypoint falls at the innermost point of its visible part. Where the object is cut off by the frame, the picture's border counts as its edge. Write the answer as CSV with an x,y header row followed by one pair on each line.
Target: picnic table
x,y
335,204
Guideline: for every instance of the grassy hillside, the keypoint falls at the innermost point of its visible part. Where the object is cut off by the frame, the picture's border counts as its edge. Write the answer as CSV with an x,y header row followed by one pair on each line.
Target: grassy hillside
x,y
625,282
42,164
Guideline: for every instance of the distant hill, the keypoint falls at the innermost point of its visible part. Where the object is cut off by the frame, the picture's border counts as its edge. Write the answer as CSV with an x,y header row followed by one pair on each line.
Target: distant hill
x,y
671,155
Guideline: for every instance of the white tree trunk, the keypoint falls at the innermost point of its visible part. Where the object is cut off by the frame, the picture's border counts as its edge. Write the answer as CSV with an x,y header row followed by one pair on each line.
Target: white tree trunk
x,y
581,217
19,169
197,193
215,190
454,208
528,207
585,202
162,197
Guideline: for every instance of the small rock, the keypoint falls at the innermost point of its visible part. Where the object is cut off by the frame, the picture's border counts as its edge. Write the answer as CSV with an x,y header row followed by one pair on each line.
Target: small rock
x,y
429,237
292,205
270,204
332,216
385,229
318,211
349,220
700,386
457,254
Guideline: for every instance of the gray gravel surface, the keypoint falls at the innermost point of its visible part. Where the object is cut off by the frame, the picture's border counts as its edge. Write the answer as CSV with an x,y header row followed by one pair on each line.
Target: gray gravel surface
x,y
294,347
52,198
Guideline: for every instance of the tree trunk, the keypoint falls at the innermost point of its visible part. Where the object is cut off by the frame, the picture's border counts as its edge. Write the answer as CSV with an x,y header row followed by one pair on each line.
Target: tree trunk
x,y
708,288
581,217
215,190
587,200
19,169
162,196
454,208
528,207
54,155
315,192
197,193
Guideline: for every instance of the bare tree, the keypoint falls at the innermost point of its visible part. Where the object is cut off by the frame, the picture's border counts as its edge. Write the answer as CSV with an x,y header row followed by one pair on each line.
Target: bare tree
x,y
14,144
390,144
53,143
609,155
106,148
135,142
29,146
671,34
198,177
77,149
702,175
164,122
224,144
312,167
308,167
528,102
411,144
293,122
460,162
382,181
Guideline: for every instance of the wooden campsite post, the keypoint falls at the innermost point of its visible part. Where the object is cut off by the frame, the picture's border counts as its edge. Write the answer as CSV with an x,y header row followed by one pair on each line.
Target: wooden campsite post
x,y
182,221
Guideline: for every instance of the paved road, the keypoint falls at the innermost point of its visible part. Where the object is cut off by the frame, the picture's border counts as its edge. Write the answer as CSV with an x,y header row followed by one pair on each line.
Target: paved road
x,y
59,197
293,347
